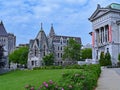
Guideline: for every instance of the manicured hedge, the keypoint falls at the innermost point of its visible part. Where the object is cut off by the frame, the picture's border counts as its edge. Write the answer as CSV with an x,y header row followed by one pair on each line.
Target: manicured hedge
x,y
75,77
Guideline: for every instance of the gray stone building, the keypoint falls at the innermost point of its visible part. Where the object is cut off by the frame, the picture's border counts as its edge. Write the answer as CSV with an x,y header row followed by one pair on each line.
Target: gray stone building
x,y
106,31
7,42
43,45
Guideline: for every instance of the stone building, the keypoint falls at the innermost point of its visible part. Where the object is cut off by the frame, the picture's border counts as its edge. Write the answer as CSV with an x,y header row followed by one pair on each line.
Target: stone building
x,y
43,45
7,42
106,31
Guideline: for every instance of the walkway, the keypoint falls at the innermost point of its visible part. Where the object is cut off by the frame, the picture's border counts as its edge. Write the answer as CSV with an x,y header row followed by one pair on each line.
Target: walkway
x,y
109,79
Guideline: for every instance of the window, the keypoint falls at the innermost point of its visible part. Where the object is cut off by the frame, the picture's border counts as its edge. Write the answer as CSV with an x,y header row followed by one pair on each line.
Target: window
x,y
61,55
44,51
96,54
58,55
35,63
35,51
58,47
61,42
32,63
61,47
107,50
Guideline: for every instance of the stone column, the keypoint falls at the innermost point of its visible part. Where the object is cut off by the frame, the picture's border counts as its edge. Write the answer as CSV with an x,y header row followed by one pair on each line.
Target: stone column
x,y
104,33
99,35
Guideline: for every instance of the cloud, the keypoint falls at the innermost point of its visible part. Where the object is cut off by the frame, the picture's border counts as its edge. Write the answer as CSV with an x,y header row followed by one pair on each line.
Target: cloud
x,y
70,17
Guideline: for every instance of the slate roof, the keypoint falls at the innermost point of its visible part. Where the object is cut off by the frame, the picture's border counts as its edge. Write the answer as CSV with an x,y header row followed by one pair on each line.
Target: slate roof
x,y
2,30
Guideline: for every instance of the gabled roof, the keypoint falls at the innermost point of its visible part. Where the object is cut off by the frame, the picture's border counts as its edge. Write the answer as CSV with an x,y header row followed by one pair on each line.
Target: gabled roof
x,y
2,30
100,11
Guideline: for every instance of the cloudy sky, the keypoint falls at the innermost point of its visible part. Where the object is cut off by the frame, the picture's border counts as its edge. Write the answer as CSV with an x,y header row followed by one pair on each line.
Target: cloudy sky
x,y
69,17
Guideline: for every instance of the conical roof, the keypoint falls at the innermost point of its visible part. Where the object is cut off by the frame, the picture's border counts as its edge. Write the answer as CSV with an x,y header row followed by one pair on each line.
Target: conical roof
x,y
52,33
2,30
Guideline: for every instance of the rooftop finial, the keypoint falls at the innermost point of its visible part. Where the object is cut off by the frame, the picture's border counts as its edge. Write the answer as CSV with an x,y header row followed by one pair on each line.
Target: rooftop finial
x,y
41,27
1,22
98,6
51,24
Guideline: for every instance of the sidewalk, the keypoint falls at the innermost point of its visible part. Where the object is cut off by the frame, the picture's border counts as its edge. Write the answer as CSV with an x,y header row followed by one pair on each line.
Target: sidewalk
x,y
109,79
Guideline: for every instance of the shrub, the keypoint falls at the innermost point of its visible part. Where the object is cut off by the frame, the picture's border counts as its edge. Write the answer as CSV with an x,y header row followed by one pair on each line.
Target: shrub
x,y
119,57
102,58
108,59
105,60
84,79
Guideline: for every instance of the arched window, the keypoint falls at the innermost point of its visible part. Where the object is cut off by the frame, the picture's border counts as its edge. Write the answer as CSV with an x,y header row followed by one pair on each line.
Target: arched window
x,y
58,55
61,47
44,51
35,51
61,55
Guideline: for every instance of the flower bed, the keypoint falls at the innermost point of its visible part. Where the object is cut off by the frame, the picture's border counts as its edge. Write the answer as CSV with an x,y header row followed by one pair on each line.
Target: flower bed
x,y
75,78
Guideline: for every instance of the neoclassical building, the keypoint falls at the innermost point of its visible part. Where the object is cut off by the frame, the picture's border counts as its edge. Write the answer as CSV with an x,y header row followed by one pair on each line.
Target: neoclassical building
x,y
106,31
43,45
7,42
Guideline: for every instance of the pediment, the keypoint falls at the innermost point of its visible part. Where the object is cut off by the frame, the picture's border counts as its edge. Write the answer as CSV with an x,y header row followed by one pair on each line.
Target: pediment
x,y
98,13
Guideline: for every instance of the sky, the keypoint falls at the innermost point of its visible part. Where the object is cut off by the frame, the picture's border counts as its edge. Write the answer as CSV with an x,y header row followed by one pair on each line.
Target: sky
x,y
23,18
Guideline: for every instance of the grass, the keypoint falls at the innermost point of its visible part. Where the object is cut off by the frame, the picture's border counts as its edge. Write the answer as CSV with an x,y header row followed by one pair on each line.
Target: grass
x,y
16,80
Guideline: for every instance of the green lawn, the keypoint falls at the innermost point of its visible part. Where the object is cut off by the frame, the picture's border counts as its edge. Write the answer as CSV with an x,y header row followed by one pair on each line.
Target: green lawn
x,y
16,80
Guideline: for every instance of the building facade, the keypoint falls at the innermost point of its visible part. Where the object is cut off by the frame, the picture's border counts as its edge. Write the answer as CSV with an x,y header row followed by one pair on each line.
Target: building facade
x,y
106,31
43,45
7,42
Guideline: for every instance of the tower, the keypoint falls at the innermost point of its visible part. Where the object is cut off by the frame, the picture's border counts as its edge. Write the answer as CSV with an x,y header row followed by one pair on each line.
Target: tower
x,y
38,49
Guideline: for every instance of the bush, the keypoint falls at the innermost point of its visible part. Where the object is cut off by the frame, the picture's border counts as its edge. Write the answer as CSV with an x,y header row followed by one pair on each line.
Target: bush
x,y
102,58
105,60
108,59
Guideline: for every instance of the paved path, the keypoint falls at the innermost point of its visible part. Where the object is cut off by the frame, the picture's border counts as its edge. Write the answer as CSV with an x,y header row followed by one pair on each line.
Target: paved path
x,y
109,79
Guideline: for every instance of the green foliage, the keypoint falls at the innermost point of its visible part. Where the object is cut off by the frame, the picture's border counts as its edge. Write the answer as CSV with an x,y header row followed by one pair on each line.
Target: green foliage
x,y
72,50
19,55
48,59
102,59
86,53
108,59
119,57
105,60
47,67
81,79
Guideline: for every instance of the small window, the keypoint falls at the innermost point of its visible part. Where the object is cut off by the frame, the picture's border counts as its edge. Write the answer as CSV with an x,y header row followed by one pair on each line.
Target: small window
x,y
58,55
61,47
32,63
44,53
35,63
107,50
61,55
58,47
61,42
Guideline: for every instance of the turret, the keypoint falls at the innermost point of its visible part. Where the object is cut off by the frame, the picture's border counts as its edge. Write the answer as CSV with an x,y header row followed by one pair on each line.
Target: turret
x,y
52,33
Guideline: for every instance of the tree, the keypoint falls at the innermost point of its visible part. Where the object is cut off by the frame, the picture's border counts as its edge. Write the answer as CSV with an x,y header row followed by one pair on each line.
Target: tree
x,y
19,55
48,59
2,63
86,53
119,57
105,60
108,59
102,59
118,63
72,50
